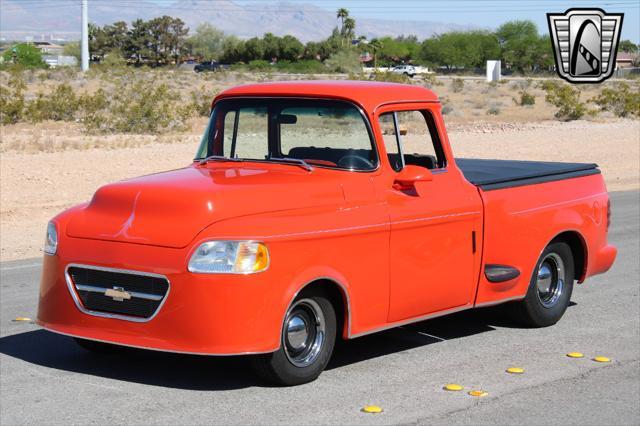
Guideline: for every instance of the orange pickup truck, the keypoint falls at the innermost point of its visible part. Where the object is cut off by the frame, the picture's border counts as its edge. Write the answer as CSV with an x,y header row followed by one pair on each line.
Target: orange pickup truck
x,y
315,211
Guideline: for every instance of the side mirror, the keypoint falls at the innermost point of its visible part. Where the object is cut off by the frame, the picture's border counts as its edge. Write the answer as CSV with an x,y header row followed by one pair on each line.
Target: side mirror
x,y
411,174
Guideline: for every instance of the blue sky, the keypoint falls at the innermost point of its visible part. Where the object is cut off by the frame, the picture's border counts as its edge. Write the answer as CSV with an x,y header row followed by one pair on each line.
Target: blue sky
x,y
484,13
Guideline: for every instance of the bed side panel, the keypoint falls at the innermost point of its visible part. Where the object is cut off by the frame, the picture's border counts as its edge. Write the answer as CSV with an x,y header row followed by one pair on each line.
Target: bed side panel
x,y
521,221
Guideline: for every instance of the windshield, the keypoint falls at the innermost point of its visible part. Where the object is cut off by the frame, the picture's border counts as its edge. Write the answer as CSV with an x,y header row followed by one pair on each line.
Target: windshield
x,y
322,133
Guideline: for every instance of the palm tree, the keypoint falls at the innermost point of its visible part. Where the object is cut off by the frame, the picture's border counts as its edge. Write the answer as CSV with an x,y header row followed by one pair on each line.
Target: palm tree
x,y
375,45
349,27
342,14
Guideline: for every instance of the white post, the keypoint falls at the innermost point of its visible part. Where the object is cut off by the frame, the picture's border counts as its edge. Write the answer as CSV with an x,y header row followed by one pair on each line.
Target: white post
x,y
84,41
493,71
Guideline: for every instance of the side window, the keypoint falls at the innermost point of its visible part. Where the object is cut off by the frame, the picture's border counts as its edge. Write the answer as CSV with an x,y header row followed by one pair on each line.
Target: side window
x,y
388,129
415,134
250,127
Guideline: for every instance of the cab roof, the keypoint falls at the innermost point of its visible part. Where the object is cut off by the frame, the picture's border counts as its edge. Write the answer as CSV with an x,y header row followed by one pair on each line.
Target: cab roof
x,y
367,94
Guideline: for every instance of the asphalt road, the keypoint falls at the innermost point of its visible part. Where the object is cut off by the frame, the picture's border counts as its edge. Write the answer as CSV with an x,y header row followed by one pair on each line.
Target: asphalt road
x,y
46,378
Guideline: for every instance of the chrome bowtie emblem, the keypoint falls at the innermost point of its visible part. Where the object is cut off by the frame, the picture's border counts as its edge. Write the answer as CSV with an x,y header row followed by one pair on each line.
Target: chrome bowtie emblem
x,y
118,294
585,43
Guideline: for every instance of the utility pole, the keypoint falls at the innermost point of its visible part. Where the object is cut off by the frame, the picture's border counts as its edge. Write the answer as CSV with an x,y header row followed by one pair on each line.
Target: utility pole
x,y
84,42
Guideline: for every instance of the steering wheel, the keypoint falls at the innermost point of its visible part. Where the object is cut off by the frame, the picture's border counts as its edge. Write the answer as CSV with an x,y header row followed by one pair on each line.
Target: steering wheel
x,y
351,161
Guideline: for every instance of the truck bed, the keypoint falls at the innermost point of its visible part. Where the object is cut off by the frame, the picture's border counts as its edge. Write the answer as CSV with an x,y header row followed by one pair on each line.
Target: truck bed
x,y
498,174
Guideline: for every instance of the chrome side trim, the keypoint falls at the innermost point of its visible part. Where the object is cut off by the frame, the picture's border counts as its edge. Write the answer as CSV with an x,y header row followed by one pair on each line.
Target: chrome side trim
x,y
412,320
155,349
498,302
76,299
137,295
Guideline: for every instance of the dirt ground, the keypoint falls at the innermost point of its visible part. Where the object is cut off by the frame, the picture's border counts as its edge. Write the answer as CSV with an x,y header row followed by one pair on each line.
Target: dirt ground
x,y
36,185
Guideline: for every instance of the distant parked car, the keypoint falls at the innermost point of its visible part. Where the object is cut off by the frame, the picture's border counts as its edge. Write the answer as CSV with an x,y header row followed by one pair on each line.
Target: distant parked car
x,y
207,66
408,70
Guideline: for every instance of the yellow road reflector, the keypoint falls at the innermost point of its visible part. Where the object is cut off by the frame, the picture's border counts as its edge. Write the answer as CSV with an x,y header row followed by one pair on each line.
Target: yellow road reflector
x,y
515,370
478,393
602,359
373,409
17,319
453,387
575,355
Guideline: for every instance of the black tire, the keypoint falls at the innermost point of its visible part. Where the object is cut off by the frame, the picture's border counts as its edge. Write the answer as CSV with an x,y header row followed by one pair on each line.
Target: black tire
x,y
97,347
540,308
278,368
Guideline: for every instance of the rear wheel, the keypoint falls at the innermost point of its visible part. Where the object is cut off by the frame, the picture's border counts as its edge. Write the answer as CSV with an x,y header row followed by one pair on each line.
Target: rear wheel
x,y
307,340
550,288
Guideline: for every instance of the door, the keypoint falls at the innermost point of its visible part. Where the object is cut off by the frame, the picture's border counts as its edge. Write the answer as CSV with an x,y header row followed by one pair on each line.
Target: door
x,y
435,225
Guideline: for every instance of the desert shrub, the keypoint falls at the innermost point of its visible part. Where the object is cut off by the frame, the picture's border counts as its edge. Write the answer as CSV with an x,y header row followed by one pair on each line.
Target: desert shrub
x,y
259,65
447,109
93,108
525,99
307,66
200,103
493,110
620,100
12,100
113,59
60,105
457,85
24,55
344,61
566,99
140,107
389,77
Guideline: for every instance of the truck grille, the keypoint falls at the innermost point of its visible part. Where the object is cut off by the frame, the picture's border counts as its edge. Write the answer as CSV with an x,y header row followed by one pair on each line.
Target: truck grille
x,y
130,294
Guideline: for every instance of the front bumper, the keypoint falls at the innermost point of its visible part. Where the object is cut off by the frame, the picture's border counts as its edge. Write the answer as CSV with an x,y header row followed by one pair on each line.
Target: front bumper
x,y
203,314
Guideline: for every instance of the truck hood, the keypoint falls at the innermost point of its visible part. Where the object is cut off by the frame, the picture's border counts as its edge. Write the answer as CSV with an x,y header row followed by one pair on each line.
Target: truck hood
x,y
169,209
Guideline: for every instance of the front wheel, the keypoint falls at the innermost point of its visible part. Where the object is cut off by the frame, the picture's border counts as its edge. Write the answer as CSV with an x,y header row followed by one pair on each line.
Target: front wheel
x,y
550,288
307,340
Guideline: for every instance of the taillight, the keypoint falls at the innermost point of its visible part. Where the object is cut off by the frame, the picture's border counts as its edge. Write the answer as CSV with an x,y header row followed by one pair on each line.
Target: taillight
x,y
608,214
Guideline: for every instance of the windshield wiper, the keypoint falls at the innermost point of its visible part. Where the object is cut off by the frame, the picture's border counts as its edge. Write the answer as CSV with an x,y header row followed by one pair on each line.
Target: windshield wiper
x,y
218,158
296,161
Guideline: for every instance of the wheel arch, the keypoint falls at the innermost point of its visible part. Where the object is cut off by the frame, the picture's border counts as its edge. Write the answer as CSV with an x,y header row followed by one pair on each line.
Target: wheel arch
x,y
338,296
578,246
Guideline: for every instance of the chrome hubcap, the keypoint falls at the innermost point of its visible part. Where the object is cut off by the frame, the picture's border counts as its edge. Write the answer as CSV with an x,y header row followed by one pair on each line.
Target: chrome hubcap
x,y
304,332
550,280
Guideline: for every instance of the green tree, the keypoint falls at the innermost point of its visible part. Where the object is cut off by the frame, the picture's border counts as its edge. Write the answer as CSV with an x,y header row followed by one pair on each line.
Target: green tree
x,y
72,49
342,14
26,55
376,45
207,42
627,46
138,44
470,49
521,45
98,43
345,61
290,48
232,50
348,29
253,49
271,45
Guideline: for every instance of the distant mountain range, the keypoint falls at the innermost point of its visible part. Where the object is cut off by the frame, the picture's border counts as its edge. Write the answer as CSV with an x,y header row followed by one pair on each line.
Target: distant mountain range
x,y
61,18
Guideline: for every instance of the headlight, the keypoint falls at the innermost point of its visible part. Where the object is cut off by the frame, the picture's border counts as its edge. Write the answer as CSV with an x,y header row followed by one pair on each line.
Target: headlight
x,y
51,241
230,257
